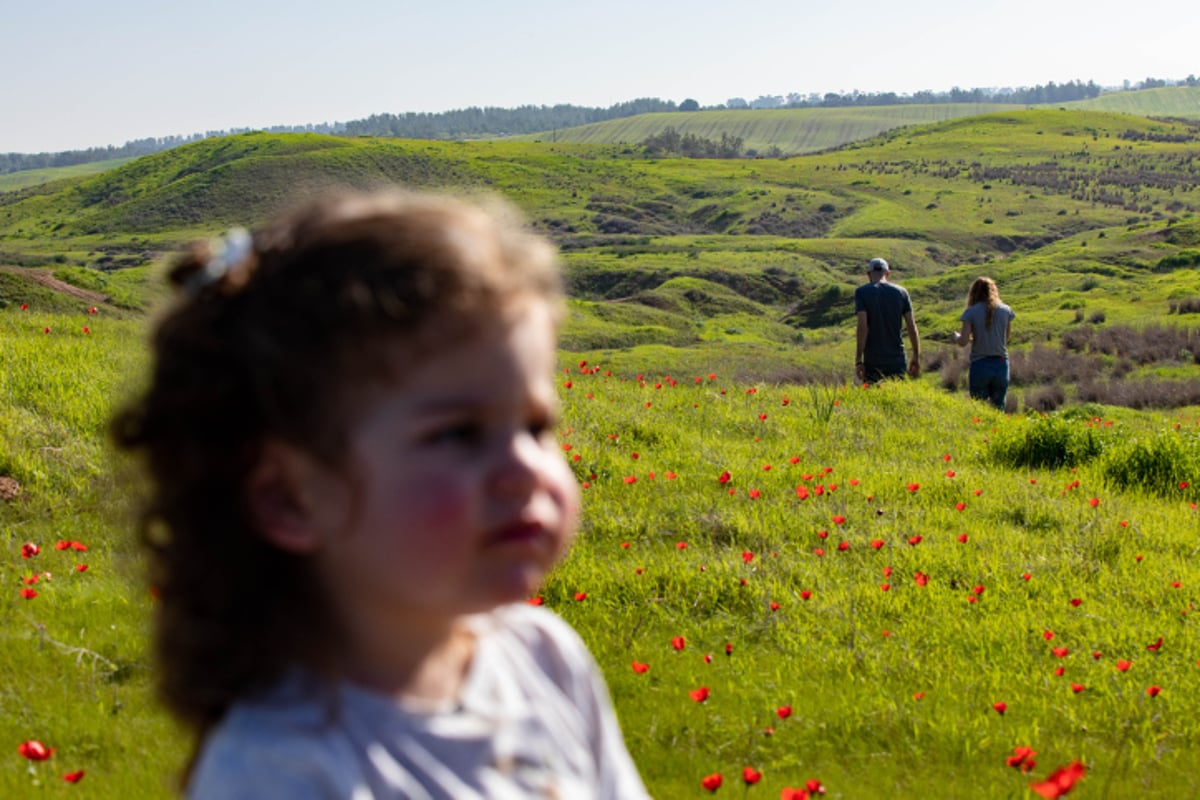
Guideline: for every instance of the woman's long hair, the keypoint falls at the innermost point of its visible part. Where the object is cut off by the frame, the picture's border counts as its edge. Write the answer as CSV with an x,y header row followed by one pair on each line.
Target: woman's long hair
x,y
983,290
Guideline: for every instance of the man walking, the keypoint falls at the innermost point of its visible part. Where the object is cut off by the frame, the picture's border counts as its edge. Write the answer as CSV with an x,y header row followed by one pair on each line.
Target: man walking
x,y
881,307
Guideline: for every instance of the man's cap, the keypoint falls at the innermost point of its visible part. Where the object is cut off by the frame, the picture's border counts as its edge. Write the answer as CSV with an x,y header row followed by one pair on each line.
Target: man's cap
x,y
878,265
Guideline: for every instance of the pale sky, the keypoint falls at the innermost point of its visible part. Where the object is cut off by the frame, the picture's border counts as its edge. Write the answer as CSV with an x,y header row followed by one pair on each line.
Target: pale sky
x,y
80,73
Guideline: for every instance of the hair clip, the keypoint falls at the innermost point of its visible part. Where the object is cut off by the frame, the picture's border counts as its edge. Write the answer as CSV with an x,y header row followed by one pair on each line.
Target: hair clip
x,y
227,252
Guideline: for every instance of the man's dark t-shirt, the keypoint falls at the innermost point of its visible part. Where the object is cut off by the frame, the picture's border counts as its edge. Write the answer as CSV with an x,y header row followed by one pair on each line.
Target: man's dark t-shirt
x,y
885,304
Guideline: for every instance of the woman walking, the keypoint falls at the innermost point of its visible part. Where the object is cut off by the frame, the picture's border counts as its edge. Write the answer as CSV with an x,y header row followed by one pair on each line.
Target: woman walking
x,y
985,326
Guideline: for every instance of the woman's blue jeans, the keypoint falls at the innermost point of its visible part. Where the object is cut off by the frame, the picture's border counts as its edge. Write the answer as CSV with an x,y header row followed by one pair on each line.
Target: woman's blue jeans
x,y
988,380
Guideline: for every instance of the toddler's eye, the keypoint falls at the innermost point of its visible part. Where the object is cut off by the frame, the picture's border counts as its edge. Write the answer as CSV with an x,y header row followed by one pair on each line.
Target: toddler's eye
x,y
458,433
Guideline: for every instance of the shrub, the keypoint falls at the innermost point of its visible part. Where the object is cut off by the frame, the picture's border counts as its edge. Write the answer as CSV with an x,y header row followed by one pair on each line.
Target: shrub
x,y
1047,441
1163,464
1097,317
1045,398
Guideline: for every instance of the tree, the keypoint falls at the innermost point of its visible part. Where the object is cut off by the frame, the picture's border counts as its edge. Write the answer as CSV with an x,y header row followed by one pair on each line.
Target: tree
x,y
689,105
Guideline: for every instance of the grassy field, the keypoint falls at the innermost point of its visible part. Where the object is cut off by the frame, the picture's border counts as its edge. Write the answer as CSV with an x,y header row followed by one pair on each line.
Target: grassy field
x,y
35,177
790,524
792,130
711,304
1170,101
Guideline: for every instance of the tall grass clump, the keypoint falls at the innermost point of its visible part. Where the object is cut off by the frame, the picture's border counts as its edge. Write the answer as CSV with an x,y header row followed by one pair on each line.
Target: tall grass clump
x,y
1048,441
1165,463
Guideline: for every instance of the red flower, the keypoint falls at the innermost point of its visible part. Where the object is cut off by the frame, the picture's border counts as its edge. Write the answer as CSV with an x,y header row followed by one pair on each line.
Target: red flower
x,y
536,601
85,329
24,306
1077,687
755,494
681,545
838,519
802,492
918,695
700,694
712,782
1123,665
1061,781
751,776
977,589
912,487
1156,646
1058,672
877,543
950,473
729,648
1022,758
885,587
73,777
814,786
580,597
724,477
92,310
962,537
1000,707
747,556
843,546
79,547
946,457
805,594
81,567
789,793
921,578
678,642
29,594
640,668
34,750
783,712
1076,601
915,540
1152,691
631,479
1095,501
774,606
960,506
1060,652
29,550
1025,576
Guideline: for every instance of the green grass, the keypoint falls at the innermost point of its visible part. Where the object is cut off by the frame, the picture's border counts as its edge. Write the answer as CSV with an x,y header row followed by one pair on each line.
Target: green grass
x,y
849,659
36,177
791,130
1170,101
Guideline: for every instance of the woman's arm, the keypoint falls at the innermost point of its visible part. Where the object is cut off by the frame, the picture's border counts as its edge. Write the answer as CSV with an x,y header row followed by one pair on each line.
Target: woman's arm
x,y
962,338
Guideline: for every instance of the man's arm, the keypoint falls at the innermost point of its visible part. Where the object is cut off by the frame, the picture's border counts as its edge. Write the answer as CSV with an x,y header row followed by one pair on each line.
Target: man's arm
x,y
860,369
914,339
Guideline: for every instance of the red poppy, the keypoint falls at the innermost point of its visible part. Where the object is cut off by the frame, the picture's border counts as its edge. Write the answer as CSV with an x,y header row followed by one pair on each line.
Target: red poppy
x,y
24,306
681,545
747,556
921,578
962,537
34,750
639,667
699,694
1061,781
783,712
805,594
751,776
1025,576
724,477
754,494
887,572
79,547
843,546
918,695
712,782
814,786
960,506
92,310
774,606
972,598
1060,652
1156,646
838,519
1059,671
580,597
1047,635
1021,758
912,487
817,551
1123,665
802,492
1097,655
950,473
729,648
29,594
678,642
85,329
1152,691
631,479
1000,707
915,540
1076,601
29,550
1095,501
946,457
1077,687
73,777
81,567
877,543
30,580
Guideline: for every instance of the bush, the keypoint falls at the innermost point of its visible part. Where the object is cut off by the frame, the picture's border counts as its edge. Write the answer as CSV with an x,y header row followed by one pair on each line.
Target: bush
x,y
1165,464
1045,398
1047,441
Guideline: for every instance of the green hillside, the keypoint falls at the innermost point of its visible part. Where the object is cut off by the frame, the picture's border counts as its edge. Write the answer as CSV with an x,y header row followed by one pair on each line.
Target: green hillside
x,y
792,130
34,177
1086,218
1170,101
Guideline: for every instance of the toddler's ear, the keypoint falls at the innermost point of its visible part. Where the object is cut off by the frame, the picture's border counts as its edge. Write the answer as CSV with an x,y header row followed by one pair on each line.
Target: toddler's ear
x,y
280,494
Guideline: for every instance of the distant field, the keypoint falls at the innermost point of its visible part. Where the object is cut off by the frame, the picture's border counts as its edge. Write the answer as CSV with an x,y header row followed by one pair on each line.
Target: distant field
x,y
792,130
35,177
1172,101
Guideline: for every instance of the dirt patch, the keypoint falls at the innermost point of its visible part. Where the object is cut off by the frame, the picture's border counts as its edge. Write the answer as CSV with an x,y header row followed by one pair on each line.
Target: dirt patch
x,y
46,278
9,489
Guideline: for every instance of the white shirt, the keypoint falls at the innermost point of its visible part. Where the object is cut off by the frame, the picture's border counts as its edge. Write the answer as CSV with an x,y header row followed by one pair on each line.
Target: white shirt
x,y
534,721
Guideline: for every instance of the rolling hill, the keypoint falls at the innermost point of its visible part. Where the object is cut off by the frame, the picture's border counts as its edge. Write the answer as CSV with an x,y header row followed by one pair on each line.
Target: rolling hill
x,y
1086,218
